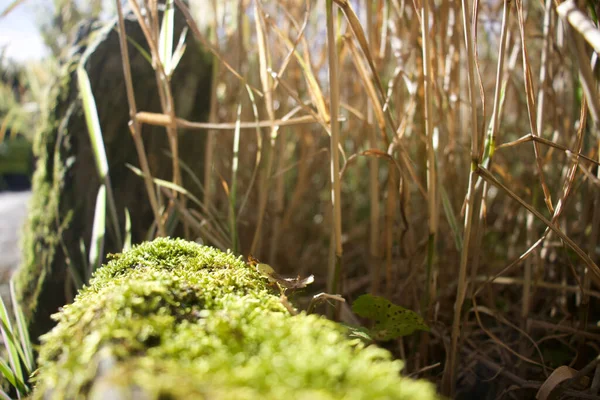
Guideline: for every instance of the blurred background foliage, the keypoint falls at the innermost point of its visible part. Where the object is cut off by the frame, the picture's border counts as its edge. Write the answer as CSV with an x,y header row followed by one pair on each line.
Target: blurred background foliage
x,y
58,21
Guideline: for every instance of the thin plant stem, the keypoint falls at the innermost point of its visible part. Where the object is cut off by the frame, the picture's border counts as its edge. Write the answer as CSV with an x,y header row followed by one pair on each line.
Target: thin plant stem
x,y
449,378
212,116
432,202
335,267
490,144
234,185
267,86
134,126
374,210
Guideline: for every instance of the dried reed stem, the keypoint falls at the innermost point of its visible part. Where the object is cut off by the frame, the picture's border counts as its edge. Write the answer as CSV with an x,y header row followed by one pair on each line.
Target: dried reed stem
x,y
335,268
375,266
134,125
432,198
449,378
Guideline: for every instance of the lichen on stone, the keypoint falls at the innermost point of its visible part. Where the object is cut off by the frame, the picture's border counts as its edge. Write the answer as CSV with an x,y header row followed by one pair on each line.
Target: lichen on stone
x,y
174,319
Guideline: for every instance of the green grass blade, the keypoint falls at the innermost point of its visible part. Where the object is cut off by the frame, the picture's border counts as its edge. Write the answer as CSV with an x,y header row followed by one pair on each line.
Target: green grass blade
x,y
24,339
127,243
75,272
10,342
234,174
98,230
84,256
189,171
4,395
210,210
451,217
7,373
168,185
165,41
179,50
93,124
172,222
139,48
95,132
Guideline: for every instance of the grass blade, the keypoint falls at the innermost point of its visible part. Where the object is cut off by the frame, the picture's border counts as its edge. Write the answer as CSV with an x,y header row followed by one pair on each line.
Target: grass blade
x,y
234,173
92,121
179,50
7,373
11,7
11,346
4,395
98,231
451,217
165,41
172,186
138,47
22,329
127,243
335,268
95,132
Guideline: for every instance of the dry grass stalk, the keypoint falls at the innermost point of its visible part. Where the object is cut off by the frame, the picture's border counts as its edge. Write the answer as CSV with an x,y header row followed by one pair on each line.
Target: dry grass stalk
x,y
374,201
449,380
335,267
135,126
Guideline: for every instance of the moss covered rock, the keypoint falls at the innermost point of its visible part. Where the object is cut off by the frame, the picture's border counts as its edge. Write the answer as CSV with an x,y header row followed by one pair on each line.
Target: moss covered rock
x,y
173,319
65,183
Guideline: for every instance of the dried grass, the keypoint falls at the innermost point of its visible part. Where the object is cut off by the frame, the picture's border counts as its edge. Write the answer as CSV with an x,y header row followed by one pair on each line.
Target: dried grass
x,y
411,83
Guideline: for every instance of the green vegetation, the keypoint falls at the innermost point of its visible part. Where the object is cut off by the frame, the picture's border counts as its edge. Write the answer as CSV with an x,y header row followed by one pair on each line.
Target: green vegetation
x,y
44,229
17,362
22,91
174,319
16,157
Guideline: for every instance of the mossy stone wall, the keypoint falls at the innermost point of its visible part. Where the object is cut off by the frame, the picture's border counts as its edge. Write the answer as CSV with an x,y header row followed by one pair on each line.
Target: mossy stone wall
x,y
66,182
171,319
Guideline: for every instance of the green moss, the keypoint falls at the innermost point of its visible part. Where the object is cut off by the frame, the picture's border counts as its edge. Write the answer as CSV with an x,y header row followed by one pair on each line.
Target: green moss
x,y
173,319
46,220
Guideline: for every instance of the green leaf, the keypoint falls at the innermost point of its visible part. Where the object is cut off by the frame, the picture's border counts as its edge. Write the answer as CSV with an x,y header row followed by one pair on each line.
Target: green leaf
x,y
391,321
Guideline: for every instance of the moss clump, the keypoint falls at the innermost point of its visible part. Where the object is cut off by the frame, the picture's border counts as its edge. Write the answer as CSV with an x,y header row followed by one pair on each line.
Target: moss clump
x,y
173,319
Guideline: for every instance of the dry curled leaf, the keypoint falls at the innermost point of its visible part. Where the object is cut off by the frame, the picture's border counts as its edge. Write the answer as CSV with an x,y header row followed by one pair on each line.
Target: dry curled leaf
x,y
548,390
